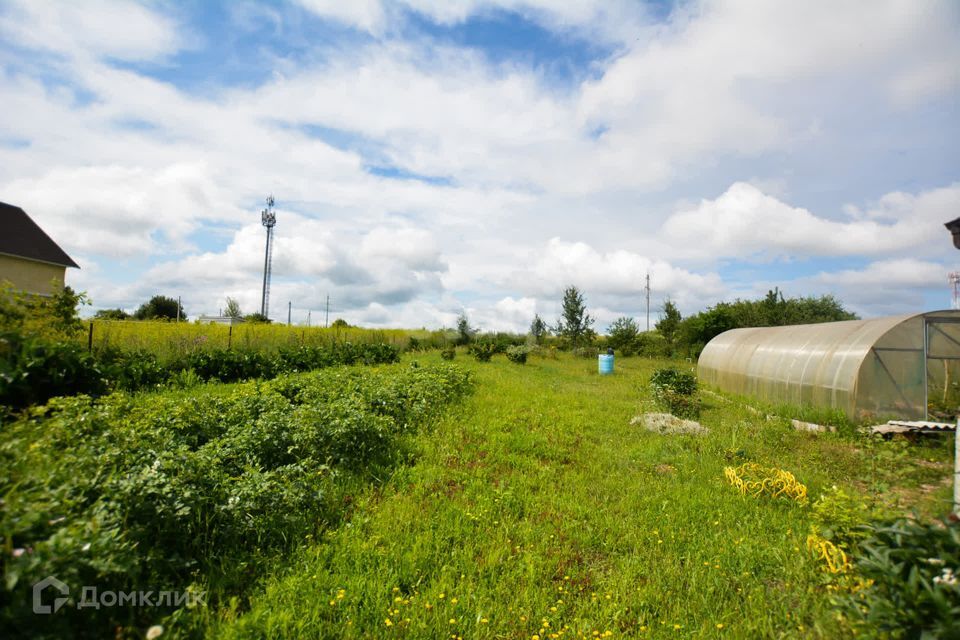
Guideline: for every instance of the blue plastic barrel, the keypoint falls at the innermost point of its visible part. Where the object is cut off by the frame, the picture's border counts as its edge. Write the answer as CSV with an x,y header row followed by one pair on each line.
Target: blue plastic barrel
x,y
606,364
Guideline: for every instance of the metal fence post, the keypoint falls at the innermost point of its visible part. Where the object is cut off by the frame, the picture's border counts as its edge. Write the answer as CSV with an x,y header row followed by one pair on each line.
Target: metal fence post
x,y
90,337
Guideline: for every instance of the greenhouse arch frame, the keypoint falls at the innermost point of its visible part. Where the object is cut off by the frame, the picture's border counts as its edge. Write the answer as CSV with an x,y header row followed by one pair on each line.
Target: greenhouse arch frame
x,y
868,369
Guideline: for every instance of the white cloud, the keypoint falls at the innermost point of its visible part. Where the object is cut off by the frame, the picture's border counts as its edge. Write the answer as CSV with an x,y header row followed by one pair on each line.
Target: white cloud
x,y
539,185
414,248
748,224
118,29
366,15
886,275
615,280
123,211
886,287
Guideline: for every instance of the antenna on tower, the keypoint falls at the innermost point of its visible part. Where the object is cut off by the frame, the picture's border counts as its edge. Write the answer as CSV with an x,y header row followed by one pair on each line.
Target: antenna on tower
x,y
954,279
269,220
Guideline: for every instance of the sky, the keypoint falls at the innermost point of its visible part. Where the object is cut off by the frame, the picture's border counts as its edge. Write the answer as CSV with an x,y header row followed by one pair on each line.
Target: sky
x,y
433,157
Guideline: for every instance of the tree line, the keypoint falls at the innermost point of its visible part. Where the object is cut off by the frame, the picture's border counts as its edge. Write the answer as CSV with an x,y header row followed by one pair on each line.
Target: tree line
x,y
674,335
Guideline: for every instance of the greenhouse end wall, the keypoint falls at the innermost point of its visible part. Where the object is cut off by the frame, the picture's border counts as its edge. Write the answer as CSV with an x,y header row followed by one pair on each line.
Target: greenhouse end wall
x,y
868,369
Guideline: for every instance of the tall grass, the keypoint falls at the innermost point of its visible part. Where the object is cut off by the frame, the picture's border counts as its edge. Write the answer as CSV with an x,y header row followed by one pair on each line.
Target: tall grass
x,y
173,339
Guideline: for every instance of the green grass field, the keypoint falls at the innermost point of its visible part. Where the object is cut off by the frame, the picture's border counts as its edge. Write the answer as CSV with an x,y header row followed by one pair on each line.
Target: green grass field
x,y
535,510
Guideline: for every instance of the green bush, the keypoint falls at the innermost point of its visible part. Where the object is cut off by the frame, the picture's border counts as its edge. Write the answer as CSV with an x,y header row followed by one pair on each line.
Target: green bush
x,y
517,354
651,344
448,353
915,588
168,490
676,392
483,351
34,369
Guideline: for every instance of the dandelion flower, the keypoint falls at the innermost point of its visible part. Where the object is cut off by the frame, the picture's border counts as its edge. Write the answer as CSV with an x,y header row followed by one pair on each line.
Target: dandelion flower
x,y
388,622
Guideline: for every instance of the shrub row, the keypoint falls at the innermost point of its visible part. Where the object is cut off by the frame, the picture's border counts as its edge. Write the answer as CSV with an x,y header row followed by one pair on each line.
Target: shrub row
x,y
176,490
33,370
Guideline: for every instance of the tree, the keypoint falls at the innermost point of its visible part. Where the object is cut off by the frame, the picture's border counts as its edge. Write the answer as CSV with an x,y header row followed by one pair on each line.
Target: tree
x,y
538,329
233,309
669,323
111,314
160,307
465,332
255,318
574,323
623,334
340,323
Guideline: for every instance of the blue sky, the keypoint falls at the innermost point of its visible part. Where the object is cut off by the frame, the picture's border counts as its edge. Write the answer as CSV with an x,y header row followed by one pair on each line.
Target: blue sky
x,y
431,157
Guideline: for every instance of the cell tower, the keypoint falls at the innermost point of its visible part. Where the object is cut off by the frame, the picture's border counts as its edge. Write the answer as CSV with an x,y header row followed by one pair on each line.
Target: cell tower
x,y
269,220
954,278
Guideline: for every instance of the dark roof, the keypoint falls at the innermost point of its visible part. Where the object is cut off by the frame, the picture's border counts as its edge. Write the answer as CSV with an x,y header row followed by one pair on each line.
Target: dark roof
x,y
21,236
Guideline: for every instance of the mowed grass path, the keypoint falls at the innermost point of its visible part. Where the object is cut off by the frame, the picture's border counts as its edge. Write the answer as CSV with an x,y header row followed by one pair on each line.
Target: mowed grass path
x,y
536,510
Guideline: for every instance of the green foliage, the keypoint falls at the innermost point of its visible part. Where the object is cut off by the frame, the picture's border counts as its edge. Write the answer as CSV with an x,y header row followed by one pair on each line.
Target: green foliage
x,y
232,309
915,589
840,517
529,456
256,318
465,332
696,331
112,314
33,370
517,354
574,324
171,490
483,350
448,353
622,335
774,310
340,323
52,317
160,307
651,344
676,392
669,324
538,329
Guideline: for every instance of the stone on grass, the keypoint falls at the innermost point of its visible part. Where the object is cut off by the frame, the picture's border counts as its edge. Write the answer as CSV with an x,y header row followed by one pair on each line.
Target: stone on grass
x,y
667,424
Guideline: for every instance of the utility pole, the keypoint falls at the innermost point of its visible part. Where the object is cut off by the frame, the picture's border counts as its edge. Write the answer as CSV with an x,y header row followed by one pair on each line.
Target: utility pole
x,y
326,322
648,301
308,317
289,309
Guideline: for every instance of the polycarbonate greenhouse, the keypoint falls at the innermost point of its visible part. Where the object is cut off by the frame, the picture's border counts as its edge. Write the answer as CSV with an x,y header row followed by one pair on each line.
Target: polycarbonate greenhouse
x,y
896,366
